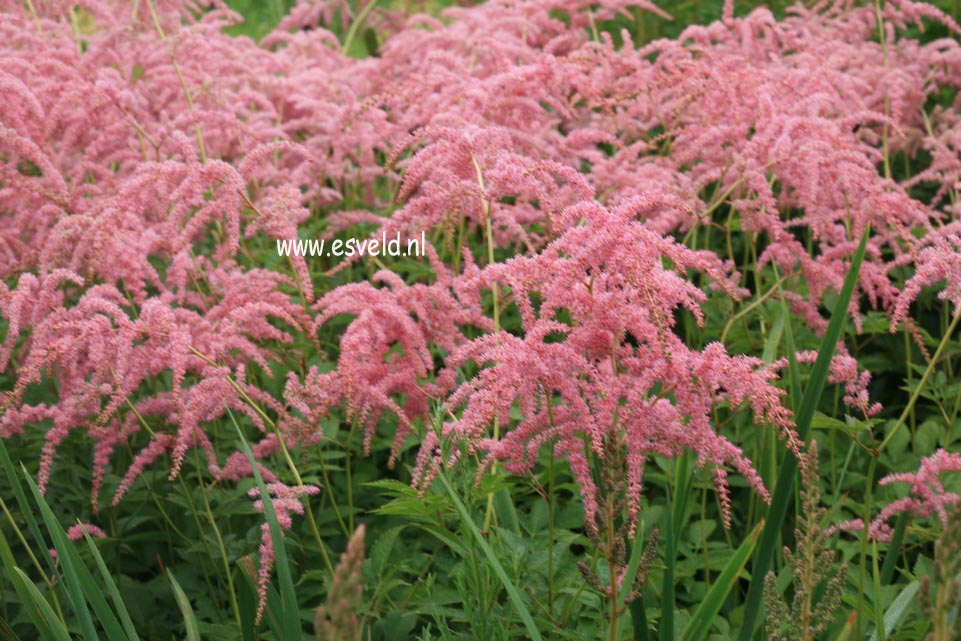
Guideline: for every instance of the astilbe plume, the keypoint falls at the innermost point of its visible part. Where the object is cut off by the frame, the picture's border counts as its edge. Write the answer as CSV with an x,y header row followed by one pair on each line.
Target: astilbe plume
x,y
103,356
75,532
786,125
466,175
337,620
927,495
286,501
128,198
385,352
843,370
598,366
939,262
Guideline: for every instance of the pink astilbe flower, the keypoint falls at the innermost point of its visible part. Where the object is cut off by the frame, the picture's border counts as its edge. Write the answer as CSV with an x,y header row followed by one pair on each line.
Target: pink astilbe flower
x,y
28,303
75,532
927,495
385,352
843,370
599,367
940,262
286,501
102,356
465,175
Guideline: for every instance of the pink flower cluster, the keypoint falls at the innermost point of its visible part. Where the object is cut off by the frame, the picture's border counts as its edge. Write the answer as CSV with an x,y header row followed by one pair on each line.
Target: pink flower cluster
x,y
146,159
927,495
286,501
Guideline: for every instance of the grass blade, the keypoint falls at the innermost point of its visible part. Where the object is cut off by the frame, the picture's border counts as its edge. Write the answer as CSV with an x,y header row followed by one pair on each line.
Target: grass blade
x,y
247,589
700,623
43,616
898,607
190,621
633,563
119,605
894,549
25,507
640,542
48,624
505,511
288,597
79,583
512,592
639,620
783,491
666,626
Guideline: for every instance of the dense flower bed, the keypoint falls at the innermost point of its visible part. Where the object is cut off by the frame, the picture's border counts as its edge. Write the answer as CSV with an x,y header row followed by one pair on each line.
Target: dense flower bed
x,y
148,164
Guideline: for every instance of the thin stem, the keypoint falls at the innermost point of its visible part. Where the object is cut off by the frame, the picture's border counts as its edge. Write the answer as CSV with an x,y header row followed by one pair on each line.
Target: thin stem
x,y
924,379
887,96
489,230
220,544
350,481
33,14
183,81
355,25
864,546
283,449
774,289
612,617
200,531
550,533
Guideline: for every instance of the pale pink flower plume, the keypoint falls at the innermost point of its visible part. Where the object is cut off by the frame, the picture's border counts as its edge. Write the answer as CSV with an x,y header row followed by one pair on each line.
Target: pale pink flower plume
x,y
75,532
927,495
286,501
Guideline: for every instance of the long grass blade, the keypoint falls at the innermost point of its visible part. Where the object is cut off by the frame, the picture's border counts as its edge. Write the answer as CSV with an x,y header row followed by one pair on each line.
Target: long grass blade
x,y
633,563
639,620
512,592
112,591
247,588
784,489
43,616
288,597
666,626
80,585
25,508
47,626
700,623
190,621
894,549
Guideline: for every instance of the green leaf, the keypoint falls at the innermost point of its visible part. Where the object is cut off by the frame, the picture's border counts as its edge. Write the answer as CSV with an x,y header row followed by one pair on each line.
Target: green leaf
x,y
190,621
512,592
76,576
784,490
896,610
288,597
700,622
850,426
